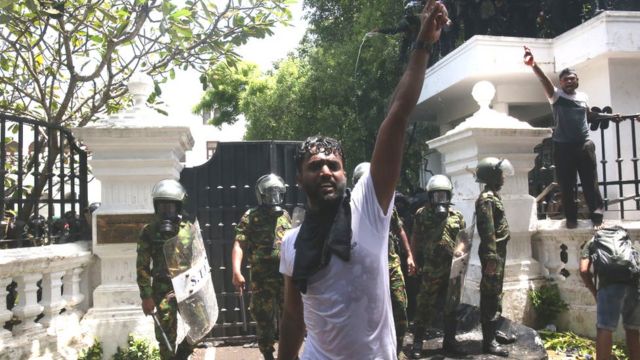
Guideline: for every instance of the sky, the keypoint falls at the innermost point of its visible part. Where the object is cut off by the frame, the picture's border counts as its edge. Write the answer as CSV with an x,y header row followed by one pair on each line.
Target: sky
x,y
181,94
263,52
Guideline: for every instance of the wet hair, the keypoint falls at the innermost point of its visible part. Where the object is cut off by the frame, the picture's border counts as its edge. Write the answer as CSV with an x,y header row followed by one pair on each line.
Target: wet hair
x,y
317,144
567,71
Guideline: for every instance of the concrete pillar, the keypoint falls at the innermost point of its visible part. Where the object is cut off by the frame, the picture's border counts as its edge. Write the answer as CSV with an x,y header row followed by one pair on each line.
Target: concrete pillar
x,y
130,153
491,133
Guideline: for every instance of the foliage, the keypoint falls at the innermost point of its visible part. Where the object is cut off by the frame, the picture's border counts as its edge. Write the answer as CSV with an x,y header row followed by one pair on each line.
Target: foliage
x,y
93,352
568,342
318,88
137,349
547,303
67,61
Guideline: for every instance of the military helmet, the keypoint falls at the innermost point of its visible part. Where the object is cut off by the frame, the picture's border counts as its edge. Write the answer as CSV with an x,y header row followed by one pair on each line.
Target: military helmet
x,y
270,190
439,182
490,169
360,170
168,190
439,189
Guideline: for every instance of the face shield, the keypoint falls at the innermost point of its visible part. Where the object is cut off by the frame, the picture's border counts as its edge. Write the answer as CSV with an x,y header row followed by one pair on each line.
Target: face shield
x,y
274,196
505,166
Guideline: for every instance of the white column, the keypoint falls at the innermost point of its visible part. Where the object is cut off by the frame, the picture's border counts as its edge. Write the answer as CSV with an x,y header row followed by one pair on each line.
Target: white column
x,y
5,315
72,295
132,151
52,301
491,133
28,308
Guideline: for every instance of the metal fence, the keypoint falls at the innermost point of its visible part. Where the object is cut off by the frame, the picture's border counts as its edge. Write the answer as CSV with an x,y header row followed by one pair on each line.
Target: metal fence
x,y
44,175
617,171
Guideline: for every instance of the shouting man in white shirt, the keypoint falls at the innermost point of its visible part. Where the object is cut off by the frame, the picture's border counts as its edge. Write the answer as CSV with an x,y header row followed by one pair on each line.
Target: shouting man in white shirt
x,y
335,263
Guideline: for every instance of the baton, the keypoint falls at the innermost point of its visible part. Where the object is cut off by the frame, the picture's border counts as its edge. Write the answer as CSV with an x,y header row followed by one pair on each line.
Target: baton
x,y
243,312
164,335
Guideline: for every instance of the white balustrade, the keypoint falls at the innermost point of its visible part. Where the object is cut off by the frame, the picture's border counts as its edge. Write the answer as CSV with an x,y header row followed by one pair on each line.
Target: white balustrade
x,y
52,301
27,308
72,294
56,270
5,315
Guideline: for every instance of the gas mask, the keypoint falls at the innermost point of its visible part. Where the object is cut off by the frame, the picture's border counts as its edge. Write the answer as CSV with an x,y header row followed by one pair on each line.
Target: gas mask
x,y
168,213
440,199
270,190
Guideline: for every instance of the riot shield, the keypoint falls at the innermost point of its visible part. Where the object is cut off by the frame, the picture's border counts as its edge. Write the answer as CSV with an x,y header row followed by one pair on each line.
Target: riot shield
x,y
459,264
190,273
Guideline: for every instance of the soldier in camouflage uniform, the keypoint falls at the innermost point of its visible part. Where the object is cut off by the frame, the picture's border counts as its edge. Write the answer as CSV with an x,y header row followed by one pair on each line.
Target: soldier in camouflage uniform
x,y
397,237
260,232
493,230
156,290
435,229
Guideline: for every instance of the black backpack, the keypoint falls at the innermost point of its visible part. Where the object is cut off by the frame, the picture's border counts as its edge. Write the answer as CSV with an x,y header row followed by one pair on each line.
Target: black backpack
x,y
613,256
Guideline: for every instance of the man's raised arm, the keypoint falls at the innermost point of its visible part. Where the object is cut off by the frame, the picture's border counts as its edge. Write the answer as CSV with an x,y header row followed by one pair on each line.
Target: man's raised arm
x,y
547,85
387,153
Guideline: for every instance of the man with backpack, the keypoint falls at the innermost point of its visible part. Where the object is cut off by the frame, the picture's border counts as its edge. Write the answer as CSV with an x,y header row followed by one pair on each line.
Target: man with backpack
x,y
615,270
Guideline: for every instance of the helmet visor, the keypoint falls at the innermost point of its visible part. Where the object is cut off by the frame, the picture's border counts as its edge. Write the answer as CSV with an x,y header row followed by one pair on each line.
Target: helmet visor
x,y
167,209
440,197
274,196
506,167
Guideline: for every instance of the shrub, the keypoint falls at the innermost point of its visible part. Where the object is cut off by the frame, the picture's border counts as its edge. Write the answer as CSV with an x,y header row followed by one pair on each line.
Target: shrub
x,y
137,349
547,303
93,352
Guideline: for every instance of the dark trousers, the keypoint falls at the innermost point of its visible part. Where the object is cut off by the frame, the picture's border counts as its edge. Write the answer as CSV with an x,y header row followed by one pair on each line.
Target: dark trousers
x,y
578,158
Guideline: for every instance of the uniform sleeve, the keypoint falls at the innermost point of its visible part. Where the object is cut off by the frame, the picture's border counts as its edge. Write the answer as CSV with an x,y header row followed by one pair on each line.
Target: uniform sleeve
x,y
283,224
486,229
396,222
242,229
463,224
143,264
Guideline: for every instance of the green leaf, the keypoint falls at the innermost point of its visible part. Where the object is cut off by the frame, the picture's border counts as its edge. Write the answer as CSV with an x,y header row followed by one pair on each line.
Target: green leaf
x,y
172,74
176,15
5,3
183,31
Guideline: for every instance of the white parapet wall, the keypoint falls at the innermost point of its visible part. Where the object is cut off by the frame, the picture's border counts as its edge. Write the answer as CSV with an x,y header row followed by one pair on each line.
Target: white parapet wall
x,y
49,328
547,245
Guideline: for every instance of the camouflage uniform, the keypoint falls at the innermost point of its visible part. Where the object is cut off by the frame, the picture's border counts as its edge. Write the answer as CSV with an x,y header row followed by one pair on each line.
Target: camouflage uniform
x,y
150,250
435,243
396,279
260,232
494,235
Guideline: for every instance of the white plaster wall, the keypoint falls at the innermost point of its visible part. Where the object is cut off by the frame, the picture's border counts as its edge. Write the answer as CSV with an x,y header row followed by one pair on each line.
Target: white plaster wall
x,y
581,316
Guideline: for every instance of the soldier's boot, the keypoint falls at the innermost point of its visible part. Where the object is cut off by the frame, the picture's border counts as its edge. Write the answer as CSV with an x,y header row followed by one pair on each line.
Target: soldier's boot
x,y
504,335
489,343
449,343
416,348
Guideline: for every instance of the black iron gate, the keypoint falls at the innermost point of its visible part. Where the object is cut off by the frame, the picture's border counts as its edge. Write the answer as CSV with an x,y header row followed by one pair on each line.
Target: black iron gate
x,y
44,175
220,191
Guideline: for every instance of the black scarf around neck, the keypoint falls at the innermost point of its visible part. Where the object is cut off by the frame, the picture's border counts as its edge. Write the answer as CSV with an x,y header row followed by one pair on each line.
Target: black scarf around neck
x,y
322,234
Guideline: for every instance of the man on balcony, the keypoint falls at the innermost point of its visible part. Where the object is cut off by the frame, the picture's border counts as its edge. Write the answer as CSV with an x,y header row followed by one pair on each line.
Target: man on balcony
x,y
572,150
